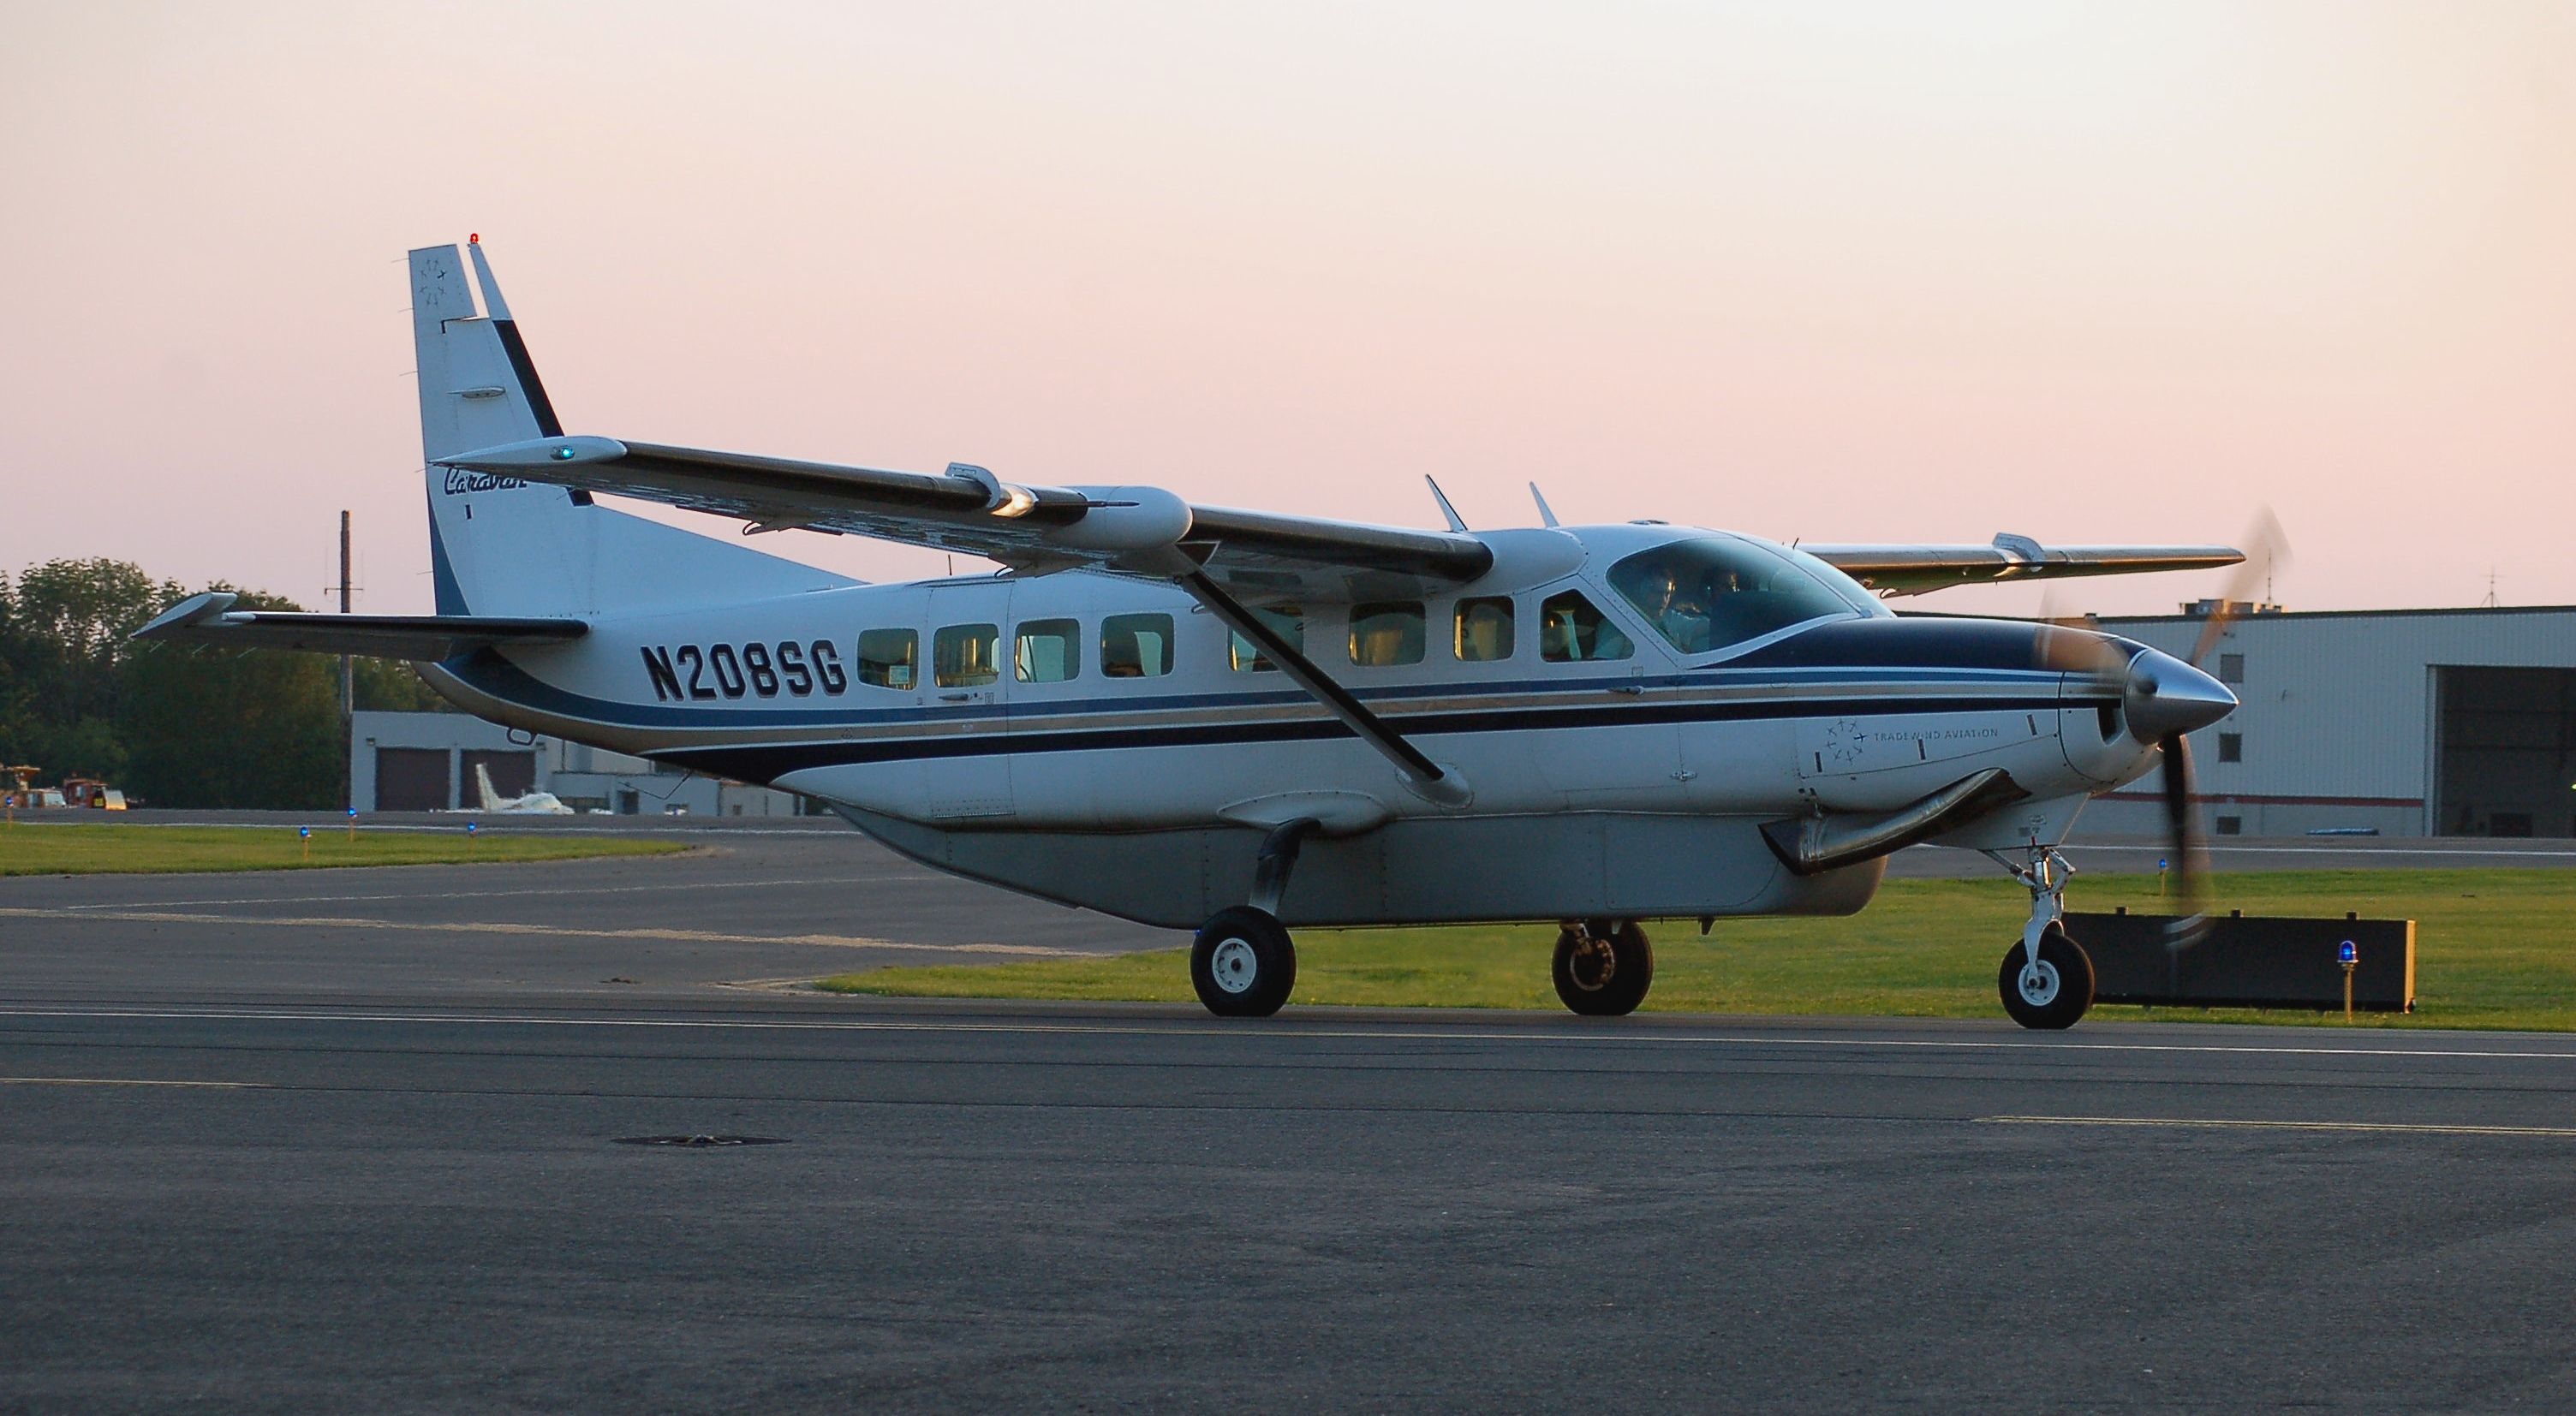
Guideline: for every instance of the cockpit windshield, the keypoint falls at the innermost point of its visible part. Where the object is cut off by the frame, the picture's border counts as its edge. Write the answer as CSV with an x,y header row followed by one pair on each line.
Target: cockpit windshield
x,y
1711,592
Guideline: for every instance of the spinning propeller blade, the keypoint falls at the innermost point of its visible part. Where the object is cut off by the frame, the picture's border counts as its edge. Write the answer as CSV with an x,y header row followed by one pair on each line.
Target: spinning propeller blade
x,y
2190,870
2266,550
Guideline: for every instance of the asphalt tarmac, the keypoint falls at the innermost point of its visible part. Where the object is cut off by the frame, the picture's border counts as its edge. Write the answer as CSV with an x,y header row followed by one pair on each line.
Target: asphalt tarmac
x,y
747,906
266,1146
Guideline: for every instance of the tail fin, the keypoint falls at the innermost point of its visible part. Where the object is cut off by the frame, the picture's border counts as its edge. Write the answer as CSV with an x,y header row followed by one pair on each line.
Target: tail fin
x,y
483,785
500,546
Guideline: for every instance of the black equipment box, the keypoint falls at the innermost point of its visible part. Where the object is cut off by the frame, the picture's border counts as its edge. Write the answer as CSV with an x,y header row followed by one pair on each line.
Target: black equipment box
x,y
2249,963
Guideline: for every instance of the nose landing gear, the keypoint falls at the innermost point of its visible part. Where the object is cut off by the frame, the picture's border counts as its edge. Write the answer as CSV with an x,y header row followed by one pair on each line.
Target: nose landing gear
x,y
1603,967
2046,979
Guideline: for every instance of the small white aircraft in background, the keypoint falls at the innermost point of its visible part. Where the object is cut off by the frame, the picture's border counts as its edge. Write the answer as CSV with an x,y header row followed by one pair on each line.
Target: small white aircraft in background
x,y
533,804
1174,713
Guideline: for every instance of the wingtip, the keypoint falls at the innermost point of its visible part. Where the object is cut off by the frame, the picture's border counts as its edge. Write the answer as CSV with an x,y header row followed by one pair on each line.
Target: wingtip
x,y
193,610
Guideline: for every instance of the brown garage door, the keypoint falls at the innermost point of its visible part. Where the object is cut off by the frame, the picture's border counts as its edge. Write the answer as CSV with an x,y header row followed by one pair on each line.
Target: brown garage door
x,y
411,779
514,774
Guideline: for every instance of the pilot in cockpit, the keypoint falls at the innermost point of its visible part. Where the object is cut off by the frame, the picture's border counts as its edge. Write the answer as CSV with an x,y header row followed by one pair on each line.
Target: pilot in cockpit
x,y
1681,610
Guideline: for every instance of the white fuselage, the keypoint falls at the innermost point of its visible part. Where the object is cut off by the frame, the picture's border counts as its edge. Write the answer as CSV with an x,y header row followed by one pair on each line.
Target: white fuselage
x,y
1110,728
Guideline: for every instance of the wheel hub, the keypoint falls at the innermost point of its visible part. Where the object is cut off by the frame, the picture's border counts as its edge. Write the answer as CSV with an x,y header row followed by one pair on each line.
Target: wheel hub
x,y
1234,965
1594,964
2039,984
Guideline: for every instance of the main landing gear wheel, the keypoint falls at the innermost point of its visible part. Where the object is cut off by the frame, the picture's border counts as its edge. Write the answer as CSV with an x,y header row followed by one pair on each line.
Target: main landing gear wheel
x,y
1243,964
2054,993
1603,969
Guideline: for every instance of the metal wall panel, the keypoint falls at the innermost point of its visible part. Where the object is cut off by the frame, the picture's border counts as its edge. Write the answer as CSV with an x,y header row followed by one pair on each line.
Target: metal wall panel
x,y
2337,716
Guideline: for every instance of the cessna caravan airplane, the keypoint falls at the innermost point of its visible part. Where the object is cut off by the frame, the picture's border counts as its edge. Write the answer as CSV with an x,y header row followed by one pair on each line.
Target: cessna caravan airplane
x,y
1238,721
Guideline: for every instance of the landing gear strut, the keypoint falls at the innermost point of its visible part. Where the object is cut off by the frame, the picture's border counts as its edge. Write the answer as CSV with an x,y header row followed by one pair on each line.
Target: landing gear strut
x,y
1243,964
2046,979
1603,967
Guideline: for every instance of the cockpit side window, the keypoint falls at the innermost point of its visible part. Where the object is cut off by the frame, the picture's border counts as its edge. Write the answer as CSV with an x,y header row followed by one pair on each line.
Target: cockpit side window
x,y
1572,629
1711,592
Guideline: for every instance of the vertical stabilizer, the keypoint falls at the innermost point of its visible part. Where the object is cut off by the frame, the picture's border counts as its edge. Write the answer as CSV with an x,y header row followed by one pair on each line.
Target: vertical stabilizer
x,y
501,546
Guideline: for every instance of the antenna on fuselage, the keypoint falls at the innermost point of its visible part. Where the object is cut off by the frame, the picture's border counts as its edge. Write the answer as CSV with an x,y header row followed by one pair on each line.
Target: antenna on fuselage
x,y
1546,514
1445,508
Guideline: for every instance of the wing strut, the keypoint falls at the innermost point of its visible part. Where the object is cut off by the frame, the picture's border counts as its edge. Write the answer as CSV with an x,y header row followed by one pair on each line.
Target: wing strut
x,y
1426,777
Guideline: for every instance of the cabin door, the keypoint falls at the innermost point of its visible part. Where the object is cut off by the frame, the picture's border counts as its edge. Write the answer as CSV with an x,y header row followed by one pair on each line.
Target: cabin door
x,y
964,696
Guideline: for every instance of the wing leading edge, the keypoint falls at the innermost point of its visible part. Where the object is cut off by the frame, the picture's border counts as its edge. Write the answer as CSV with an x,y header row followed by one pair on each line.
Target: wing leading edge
x,y
1139,530
1914,570
1149,531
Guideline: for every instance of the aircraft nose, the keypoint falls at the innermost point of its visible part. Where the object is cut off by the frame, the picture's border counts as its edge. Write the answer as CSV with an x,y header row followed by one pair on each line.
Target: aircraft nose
x,y
2166,697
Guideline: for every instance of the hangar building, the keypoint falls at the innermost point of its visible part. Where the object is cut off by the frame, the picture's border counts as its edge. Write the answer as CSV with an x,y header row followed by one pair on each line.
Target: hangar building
x,y
426,762
2412,722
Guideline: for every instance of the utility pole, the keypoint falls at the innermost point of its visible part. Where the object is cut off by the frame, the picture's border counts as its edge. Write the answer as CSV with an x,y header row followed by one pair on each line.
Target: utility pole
x,y
348,679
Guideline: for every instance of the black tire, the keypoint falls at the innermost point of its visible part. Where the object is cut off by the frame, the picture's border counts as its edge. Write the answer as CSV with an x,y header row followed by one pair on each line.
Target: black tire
x,y
1243,963
1603,970
2065,988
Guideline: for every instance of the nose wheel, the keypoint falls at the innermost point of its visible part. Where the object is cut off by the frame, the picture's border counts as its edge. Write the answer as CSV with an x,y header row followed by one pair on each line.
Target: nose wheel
x,y
2046,979
1603,967
2051,991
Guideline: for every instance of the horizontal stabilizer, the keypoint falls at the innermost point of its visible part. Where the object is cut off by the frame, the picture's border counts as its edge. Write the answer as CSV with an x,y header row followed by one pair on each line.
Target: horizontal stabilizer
x,y
211,619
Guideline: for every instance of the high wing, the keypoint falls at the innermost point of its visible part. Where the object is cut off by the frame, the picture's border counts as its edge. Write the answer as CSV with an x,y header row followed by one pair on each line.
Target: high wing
x,y
1140,530
1913,570
211,619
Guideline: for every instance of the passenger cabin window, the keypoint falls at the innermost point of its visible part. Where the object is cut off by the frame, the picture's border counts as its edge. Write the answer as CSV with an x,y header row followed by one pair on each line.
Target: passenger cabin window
x,y
963,656
1712,592
1484,629
1047,651
1572,629
889,658
1286,621
1136,646
1385,633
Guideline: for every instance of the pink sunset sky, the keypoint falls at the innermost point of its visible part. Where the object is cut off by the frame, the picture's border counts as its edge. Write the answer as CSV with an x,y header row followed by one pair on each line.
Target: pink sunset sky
x,y
1896,272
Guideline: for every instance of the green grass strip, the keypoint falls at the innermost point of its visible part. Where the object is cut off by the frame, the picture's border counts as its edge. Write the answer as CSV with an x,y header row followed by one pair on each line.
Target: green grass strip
x,y
119,849
2494,949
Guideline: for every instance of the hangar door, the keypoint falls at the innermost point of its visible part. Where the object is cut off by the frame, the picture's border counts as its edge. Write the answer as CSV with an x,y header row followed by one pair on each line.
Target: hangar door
x,y
2505,745
411,779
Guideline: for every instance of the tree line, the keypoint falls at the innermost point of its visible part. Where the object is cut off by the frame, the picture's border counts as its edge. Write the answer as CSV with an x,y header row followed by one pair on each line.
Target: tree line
x,y
174,725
